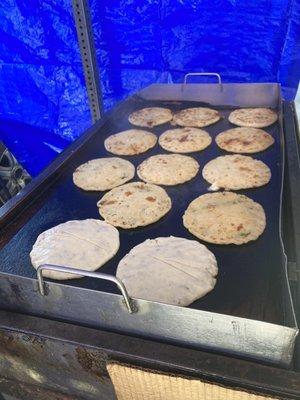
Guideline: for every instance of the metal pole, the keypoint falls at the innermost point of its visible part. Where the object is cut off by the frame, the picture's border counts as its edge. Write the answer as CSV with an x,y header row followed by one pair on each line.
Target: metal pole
x,y
88,56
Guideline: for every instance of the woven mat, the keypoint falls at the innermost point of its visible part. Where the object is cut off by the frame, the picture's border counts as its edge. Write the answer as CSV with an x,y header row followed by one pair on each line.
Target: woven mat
x,y
132,383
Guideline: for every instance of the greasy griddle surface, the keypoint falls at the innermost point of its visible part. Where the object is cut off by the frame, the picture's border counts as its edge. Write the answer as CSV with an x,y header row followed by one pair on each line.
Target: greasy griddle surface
x,y
248,283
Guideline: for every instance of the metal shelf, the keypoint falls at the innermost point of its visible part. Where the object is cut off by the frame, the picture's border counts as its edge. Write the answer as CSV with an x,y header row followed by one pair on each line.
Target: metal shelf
x,y
88,56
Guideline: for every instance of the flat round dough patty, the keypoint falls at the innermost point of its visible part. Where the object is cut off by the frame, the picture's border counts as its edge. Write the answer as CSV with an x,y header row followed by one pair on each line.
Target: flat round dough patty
x,y
253,117
150,116
197,117
225,218
134,204
86,244
130,142
103,173
244,140
168,169
236,172
169,270
184,140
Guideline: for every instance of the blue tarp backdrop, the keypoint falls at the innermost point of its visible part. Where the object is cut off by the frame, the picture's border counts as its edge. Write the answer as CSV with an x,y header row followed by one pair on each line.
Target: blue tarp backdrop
x,y
138,42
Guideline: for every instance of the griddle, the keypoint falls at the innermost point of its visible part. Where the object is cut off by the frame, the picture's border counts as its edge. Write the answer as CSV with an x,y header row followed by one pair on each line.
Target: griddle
x,y
249,313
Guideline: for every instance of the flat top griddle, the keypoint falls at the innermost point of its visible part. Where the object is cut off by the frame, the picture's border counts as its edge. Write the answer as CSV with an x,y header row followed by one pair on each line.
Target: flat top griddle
x,y
249,283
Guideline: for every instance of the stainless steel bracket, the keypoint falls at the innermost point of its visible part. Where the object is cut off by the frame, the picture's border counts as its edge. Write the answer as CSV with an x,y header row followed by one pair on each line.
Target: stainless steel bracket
x,y
88,56
128,301
218,76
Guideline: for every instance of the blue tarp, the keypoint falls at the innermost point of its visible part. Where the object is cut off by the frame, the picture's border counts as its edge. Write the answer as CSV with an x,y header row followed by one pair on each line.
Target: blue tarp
x,y
138,42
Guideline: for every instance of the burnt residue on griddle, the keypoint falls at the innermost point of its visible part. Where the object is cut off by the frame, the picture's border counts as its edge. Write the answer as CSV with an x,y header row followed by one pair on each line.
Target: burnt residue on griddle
x,y
92,361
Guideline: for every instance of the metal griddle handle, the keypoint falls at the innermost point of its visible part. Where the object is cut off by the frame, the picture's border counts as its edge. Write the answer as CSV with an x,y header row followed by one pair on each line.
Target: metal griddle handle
x,y
218,76
80,272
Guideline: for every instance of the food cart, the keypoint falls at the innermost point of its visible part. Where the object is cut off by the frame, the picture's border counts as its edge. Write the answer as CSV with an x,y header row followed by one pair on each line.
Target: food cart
x,y
88,339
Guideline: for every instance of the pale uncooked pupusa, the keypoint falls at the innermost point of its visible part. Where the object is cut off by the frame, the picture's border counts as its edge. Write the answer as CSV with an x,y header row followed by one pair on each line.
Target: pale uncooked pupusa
x,y
169,270
82,244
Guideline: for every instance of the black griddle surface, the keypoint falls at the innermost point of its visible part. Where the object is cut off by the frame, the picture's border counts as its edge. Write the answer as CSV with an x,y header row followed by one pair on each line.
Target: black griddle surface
x,y
249,280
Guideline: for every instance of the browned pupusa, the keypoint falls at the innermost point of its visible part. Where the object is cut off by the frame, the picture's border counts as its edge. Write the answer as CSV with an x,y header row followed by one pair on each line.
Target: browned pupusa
x,y
197,117
253,117
150,116
184,140
236,172
103,173
168,169
244,140
225,218
134,204
130,142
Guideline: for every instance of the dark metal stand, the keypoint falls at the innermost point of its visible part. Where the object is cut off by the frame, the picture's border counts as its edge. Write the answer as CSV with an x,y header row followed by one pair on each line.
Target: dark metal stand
x,y
43,356
292,228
